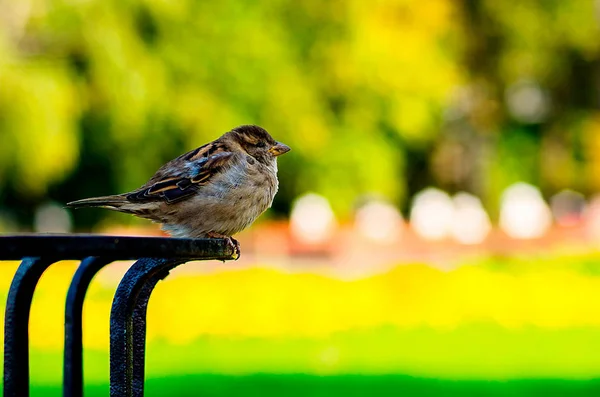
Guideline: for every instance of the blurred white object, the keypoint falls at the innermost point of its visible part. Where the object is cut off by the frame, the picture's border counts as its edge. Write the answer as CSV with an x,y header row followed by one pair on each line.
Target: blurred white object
x,y
470,224
527,102
52,218
567,207
379,221
523,212
312,220
431,214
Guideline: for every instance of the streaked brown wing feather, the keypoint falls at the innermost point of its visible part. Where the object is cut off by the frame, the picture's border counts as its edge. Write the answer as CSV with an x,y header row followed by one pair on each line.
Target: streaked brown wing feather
x,y
183,176
179,164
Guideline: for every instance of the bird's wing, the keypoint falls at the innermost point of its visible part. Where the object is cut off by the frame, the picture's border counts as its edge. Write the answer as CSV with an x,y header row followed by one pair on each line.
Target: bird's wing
x,y
183,176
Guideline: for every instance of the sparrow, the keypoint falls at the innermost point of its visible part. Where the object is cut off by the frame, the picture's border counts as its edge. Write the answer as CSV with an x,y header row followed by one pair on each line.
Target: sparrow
x,y
214,191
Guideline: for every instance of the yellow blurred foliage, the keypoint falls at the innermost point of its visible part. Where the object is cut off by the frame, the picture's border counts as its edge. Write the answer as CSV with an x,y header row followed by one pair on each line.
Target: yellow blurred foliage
x,y
40,103
259,302
269,303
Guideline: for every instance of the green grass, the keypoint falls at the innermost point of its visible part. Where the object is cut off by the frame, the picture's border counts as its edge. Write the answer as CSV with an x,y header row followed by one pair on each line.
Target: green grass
x,y
476,351
472,360
476,358
267,385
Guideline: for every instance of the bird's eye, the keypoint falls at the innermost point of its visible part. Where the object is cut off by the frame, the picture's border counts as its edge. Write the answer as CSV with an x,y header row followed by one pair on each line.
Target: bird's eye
x,y
260,144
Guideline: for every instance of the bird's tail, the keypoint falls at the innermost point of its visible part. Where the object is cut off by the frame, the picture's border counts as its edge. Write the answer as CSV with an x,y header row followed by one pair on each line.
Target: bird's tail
x,y
109,202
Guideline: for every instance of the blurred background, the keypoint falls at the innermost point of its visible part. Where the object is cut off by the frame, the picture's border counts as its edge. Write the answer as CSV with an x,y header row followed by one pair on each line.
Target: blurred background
x,y
437,226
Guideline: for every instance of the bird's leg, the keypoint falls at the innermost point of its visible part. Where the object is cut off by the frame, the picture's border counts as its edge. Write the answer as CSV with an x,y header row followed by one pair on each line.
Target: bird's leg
x,y
215,235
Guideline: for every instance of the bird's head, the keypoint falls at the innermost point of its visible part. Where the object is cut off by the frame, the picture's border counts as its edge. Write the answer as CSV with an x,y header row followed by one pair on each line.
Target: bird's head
x,y
256,142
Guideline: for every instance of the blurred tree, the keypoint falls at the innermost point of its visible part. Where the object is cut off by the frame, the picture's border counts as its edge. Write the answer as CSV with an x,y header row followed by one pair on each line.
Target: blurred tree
x,y
379,97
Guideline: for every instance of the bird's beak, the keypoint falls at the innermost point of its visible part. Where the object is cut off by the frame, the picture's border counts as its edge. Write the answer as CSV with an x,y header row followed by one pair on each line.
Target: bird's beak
x,y
279,149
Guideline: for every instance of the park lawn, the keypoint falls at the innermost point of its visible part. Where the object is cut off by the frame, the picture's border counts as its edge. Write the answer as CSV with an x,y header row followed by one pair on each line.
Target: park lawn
x,y
302,385
497,326
471,360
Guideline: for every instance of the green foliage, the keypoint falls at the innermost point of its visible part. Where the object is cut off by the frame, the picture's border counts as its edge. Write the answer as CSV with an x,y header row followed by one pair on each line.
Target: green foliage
x,y
119,87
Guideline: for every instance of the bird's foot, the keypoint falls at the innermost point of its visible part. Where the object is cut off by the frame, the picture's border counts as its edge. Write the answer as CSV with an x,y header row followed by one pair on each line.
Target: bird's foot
x,y
233,243
236,248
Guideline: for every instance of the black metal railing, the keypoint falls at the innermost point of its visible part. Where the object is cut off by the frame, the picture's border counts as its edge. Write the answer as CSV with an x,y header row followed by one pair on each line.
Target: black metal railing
x,y
155,258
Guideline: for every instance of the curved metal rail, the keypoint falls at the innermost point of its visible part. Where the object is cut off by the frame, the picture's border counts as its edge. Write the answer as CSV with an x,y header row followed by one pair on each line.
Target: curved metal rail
x,y
156,257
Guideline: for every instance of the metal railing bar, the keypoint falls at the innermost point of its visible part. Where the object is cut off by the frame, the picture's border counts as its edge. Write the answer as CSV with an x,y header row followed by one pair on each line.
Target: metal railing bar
x,y
81,246
16,326
128,325
139,333
128,315
73,350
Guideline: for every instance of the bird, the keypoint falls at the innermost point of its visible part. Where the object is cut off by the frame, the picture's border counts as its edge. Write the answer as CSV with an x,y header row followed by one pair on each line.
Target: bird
x,y
214,191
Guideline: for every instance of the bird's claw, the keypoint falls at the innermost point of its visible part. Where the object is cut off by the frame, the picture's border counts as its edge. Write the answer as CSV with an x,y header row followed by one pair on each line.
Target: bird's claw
x,y
233,243
236,248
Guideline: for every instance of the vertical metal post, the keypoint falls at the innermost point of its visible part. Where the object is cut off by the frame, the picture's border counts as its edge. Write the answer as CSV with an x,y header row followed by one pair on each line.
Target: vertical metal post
x,y
73,354
16,326
128,325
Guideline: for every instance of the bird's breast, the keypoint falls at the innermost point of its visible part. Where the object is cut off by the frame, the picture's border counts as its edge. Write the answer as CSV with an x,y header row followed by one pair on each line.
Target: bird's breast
x,y
234,200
